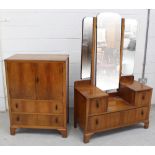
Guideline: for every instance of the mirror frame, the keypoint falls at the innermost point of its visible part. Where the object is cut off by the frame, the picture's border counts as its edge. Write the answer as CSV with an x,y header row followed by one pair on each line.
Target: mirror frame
x,y
93,79
90,45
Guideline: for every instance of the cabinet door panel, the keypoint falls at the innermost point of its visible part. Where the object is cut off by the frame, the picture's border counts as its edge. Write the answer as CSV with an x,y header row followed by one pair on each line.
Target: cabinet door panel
x,y
21,78
49,80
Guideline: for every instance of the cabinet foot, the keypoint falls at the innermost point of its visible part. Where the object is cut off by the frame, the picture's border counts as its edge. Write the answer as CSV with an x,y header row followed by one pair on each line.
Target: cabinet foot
x,y
12,131
86,137
146,124
63,132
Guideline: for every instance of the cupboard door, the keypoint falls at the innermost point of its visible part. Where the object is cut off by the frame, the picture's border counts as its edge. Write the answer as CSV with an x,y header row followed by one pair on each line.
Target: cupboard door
x,y
21,79
49,79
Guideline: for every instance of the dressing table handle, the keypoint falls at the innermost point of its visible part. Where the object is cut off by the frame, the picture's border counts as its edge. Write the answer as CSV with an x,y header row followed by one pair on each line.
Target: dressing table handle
x,y
96,121
142,112
56,120
56,107
97,104
143,97
37,79
18,119
16,105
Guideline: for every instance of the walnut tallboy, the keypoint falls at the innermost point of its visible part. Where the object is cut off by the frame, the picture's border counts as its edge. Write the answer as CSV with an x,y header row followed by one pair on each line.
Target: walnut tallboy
x,y
37,88
96,111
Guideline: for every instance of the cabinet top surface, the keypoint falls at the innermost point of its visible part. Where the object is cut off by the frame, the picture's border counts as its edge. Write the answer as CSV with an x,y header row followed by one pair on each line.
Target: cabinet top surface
x,y
136,86
41,57
91,91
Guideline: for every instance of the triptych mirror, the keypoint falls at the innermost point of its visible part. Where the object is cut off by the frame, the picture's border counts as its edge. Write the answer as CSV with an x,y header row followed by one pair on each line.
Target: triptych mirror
x,y
115,46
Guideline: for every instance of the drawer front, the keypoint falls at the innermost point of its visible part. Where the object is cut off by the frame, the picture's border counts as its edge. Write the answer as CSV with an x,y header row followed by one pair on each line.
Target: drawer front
x,y
23,106
19,119
98,105
53,107
142,113
33,106
135,115
106,121
37,120
47,120
142,98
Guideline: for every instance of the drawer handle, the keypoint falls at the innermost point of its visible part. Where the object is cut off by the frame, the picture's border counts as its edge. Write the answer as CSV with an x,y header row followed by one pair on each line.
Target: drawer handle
x,y
143,97
17,105
97,104
18,119
37,79
56,107
142,112
96,121
56,120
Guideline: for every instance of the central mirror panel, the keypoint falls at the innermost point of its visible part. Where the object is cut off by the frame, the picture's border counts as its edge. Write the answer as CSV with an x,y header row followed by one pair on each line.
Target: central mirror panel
x,y
108,51
86,56
129,47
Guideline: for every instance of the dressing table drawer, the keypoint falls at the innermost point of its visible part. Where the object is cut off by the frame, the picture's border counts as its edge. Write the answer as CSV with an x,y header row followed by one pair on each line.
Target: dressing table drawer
x,y
103,122
142,98
135,115
98,105
142,113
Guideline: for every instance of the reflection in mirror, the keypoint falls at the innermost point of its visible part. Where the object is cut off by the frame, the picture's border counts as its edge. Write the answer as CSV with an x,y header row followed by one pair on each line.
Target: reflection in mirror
x,y
87,33
129,47
108,51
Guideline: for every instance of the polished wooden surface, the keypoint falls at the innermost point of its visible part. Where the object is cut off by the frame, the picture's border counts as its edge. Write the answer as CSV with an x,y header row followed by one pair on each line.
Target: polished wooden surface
x,y
39,57
91,91
96,111
93,60
37,88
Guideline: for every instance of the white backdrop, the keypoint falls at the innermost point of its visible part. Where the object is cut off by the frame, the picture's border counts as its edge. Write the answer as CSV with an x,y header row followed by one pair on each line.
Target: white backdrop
x,y
59,31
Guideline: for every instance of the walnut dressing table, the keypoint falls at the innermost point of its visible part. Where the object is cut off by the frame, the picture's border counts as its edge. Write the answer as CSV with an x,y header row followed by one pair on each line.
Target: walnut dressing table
x,y
97,111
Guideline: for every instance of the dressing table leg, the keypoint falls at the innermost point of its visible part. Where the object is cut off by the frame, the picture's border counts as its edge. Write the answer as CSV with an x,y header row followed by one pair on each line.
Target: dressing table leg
x,y
12,131
63,132
86,137
146,124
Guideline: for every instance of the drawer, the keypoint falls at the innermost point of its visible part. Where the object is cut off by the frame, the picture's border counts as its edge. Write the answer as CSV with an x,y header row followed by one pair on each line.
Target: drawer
x,y
135,115
142,113
40,106
51,120
98,105
18,105
53,107
106,121
19,119
142,98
